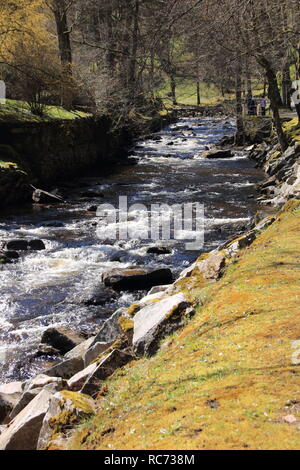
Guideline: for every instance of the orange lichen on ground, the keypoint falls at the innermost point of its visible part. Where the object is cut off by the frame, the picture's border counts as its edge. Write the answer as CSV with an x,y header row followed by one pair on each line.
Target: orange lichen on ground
x,y
227,380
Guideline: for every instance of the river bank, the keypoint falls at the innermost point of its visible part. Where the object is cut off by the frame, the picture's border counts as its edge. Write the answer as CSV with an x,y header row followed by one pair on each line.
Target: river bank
x,y
193,294
45,153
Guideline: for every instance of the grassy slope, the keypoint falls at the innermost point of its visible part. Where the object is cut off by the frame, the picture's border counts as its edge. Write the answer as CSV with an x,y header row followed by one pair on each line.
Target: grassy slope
x,y
237,351
19,111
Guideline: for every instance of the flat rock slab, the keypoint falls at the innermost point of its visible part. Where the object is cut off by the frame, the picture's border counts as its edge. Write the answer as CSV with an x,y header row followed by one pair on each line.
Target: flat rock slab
x,y
155,321
23,432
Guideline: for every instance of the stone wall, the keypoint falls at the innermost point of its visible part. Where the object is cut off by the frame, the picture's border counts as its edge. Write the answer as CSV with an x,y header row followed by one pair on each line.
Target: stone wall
x,y
53,151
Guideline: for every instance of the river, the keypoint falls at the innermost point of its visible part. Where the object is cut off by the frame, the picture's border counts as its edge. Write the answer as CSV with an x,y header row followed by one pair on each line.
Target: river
x,y
50,287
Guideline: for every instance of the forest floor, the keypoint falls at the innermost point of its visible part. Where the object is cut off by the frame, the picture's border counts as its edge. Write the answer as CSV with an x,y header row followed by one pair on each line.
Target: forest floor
x,y
228,380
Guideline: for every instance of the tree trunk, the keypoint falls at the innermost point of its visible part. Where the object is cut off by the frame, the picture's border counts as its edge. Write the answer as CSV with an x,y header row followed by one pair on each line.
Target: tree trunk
x,y
65,50
198,94
63,33
133,56
173,90
286,86
273,96
240,133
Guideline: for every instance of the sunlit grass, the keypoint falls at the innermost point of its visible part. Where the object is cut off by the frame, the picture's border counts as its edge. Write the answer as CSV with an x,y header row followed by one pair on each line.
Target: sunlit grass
x,y
20,111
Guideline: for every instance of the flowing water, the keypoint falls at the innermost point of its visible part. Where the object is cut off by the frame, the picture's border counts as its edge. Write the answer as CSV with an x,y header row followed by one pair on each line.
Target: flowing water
x,y
50,287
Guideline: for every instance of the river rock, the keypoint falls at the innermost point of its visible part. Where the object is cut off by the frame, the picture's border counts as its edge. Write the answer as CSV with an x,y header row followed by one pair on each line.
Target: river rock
x,y
94,351
11,255
36,245
158,289
61,339
159,250
76,382
100,299
23,432
111,329
5,409
241,243
4,259
80,350
66,369
213,154
66,409
17,245
155,321
136,279
51,384
26,398
11,392
42,380
105,368
46,350
213,267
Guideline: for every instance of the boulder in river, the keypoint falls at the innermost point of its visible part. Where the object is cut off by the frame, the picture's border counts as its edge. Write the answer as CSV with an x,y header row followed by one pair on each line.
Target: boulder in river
x,y
36,245
136,279
61,339
159,250
13,246
214,154
17,245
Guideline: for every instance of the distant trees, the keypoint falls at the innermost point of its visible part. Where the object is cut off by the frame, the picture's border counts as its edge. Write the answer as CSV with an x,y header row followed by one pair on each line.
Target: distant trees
x,y
115,54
